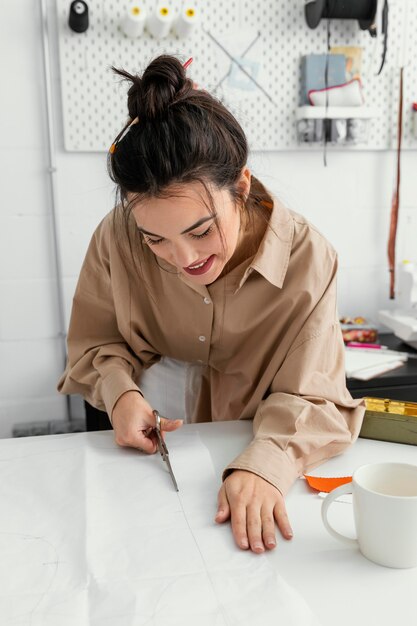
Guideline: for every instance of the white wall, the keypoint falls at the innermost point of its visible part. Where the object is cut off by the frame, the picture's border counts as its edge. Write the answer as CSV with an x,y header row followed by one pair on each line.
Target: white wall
x,y
349,201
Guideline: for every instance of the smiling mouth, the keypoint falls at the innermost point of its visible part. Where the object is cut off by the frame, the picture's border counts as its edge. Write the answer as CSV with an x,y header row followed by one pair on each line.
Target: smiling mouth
x,y
201,267
197,266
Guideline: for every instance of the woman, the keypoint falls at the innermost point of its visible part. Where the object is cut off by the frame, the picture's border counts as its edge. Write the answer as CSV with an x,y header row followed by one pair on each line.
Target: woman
x,y
199,263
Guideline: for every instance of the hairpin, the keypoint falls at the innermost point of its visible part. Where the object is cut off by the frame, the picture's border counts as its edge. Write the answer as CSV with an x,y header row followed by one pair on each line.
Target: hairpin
x,y
122,134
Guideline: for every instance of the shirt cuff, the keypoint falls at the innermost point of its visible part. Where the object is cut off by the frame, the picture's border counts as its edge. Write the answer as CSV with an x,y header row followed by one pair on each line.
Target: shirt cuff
x,y
115,385
267,461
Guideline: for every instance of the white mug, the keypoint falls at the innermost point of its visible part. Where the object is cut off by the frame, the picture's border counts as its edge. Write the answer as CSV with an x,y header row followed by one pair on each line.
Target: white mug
x,y
385,512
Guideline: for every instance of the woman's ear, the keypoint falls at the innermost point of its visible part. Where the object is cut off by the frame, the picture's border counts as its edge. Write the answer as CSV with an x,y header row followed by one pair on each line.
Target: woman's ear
x,y
244,182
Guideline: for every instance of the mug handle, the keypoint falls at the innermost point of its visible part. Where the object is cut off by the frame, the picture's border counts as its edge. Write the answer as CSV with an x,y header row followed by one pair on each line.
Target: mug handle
x,y
331,497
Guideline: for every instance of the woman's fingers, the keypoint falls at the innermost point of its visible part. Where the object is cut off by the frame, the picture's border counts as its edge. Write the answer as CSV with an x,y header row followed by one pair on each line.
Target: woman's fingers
x,y
239,527
145,442
254,528
170,425
223,508
230,506
254,505
268,528
281,517
147,439
134,423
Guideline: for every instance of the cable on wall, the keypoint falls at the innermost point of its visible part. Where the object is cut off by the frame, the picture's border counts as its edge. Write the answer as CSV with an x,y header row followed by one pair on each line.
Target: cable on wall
x,y
53,195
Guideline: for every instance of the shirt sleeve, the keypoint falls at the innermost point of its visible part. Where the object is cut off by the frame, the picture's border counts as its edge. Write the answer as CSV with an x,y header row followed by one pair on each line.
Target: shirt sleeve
x,y
309,415
101,366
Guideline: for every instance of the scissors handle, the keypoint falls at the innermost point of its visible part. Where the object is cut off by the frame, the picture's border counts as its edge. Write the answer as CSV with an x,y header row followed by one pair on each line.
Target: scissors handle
x,y
162,447
161,443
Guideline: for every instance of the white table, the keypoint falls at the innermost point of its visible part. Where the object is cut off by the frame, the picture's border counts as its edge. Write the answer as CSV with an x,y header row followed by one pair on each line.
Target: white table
x,y
340,585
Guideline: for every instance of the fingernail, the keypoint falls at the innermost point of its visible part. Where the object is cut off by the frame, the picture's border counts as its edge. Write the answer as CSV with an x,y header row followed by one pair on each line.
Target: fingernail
x,y
271,543
258,546
219,513
244,543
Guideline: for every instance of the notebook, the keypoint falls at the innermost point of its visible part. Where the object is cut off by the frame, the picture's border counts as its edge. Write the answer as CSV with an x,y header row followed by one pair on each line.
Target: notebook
x,y
366,365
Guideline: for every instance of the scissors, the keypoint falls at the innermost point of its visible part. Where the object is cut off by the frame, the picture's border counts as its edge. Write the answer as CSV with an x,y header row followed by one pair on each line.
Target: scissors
x,y
163,448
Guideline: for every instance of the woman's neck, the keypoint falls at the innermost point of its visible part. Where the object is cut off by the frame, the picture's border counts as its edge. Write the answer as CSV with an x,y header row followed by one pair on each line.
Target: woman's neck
x,y
252,230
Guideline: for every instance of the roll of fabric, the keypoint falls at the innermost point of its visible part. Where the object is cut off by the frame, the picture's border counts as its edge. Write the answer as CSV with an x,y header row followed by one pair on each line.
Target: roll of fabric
x,y
160,20
78,16
134,20
362,10
186,21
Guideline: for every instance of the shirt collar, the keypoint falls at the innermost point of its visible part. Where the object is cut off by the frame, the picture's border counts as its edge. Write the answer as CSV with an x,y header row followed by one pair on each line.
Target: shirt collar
x,y
273,255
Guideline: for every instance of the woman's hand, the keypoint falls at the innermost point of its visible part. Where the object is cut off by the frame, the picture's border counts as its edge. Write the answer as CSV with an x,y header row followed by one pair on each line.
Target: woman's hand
x,y
254,505
134,422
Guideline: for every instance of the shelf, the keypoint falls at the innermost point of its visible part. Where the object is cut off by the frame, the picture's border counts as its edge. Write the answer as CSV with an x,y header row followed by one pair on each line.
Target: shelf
x,y
334,113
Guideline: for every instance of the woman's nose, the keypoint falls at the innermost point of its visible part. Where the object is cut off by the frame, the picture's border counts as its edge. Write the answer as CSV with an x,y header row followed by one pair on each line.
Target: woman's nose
x,y
184,255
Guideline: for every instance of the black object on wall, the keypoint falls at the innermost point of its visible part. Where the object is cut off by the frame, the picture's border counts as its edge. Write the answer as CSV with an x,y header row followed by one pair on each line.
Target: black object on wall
x,y
78,16
362,10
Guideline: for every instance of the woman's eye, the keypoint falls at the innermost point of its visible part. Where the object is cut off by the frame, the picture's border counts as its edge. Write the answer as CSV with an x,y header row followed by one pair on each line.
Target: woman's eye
x,y
206,232
152,242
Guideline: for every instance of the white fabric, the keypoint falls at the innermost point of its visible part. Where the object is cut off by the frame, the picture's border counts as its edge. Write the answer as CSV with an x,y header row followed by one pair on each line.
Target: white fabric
x,y
348,95
94,534
171,387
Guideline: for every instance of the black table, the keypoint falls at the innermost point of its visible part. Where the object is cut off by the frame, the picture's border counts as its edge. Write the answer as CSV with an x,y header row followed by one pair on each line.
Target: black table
x,y
398,384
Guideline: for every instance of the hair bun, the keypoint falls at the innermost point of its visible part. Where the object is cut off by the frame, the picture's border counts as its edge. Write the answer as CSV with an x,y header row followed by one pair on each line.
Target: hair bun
x,y
163,83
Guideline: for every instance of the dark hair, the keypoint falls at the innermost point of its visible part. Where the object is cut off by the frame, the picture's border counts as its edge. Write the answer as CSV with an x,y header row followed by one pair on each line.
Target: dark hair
x,y
183,135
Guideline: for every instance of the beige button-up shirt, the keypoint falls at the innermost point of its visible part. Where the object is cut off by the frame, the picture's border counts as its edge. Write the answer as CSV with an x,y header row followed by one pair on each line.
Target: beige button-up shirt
x,y
267,332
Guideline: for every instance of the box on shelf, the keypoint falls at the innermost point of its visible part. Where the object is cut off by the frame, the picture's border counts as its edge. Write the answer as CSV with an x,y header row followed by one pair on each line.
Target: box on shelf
x,y
358,329
339,125
313,72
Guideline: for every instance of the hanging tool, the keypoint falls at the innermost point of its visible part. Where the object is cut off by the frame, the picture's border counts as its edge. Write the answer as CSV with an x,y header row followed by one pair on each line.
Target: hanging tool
x,y
395,205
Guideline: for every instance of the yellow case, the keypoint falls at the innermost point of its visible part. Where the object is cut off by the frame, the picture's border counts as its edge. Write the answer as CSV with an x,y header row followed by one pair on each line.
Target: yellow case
x,y
390,420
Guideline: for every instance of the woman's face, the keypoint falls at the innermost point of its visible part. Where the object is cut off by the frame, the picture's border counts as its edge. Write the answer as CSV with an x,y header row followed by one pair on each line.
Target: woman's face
x,y
181,230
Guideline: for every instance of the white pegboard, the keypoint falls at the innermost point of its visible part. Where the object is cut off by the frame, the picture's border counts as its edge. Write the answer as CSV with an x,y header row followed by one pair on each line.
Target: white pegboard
x,y
94,101
404,32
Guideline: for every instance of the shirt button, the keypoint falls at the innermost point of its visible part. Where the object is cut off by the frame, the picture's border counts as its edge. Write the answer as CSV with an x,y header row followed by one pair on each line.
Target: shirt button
x,y
201,338
207,301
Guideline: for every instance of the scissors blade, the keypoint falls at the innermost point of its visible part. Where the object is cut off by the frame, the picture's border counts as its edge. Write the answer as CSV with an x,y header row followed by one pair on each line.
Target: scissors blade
x,y
162,447
167,461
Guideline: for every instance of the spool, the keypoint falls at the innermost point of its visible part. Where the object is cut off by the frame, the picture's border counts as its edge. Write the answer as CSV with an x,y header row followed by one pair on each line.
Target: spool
x,y
78,16
134,20
160,21
186,21
362,10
